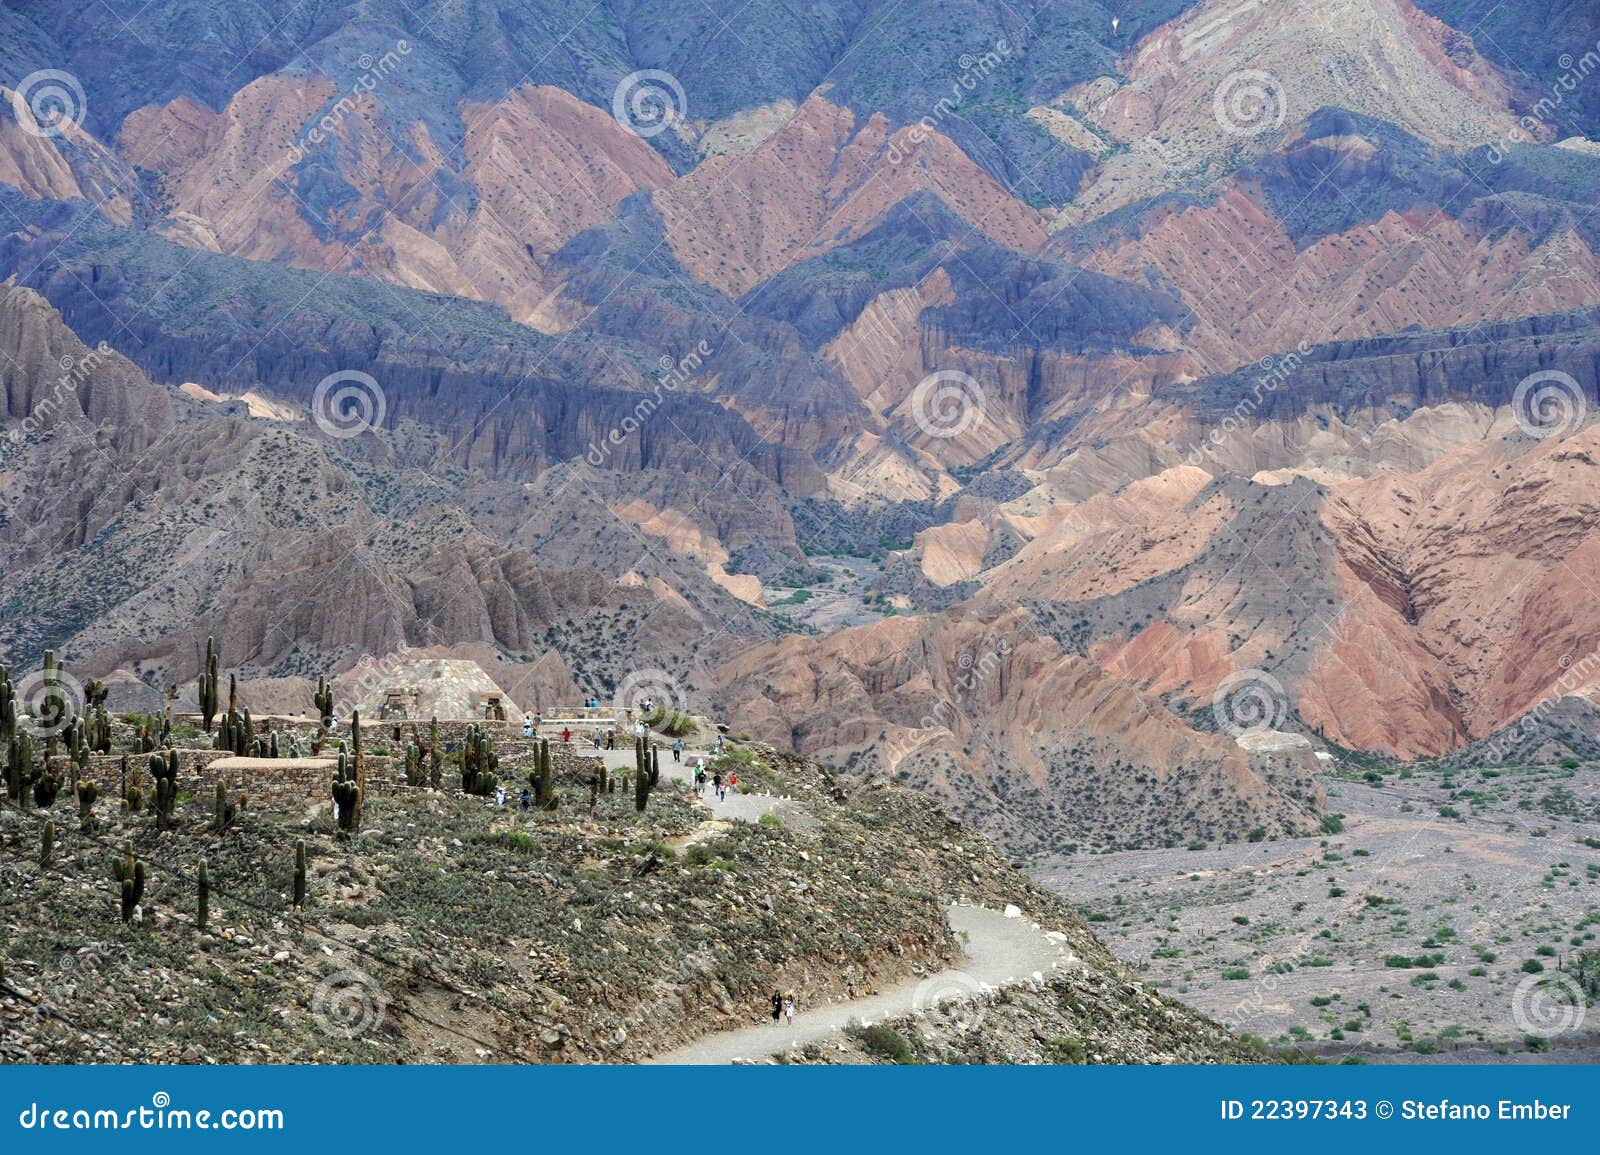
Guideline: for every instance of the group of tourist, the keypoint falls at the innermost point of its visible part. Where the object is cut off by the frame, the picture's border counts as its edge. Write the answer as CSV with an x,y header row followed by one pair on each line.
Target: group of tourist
x,y
718,786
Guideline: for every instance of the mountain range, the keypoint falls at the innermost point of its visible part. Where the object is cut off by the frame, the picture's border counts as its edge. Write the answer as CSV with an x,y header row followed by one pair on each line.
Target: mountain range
x,y
1090,413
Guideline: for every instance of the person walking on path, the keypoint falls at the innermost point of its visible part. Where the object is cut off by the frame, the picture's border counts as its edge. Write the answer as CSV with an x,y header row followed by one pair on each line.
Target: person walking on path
x,y
716,784
566,733
788,1010
700,780
777,1008
677,750
733,782
500,796
527,725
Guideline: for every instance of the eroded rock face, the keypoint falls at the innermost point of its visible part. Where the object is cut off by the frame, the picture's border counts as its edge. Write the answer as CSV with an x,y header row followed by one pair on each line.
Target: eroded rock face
x,y
137,520
1038,746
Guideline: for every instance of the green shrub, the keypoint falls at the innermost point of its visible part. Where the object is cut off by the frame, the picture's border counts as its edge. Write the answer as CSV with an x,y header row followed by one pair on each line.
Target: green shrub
x,y
885,1042
1066,1051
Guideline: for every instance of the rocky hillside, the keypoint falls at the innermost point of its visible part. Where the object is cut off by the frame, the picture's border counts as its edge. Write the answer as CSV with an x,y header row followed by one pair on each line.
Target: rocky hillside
x,y
452,931
1036,746
128,512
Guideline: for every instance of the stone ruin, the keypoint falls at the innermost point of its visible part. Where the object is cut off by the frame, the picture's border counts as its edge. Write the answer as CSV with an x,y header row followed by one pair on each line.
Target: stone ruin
x,y
445,688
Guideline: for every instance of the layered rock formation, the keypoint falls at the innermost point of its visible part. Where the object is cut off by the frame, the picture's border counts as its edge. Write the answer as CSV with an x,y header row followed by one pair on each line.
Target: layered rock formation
x,y
1038,746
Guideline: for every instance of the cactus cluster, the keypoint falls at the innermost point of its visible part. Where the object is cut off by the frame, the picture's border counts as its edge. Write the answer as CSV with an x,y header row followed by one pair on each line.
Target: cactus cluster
x,y
346,793
479,762
128,872
46,787
164,774
88,795
646,772
236,732
151,732
21,773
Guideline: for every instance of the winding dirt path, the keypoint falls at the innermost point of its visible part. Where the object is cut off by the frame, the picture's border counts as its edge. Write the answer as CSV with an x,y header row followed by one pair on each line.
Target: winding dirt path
x,y
999,948
997,952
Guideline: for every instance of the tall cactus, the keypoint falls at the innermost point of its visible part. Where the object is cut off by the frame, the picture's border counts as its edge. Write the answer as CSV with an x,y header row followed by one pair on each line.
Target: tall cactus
x,y
435,755
20,772
360,760
129,874
346,793
543,789
641,776
208,686
54,704
203,910
300,874
323,699
47,844
8,710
